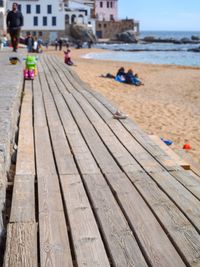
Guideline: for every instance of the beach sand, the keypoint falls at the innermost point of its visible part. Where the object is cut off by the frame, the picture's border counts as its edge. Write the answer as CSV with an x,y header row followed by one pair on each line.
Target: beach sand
x,y
167,105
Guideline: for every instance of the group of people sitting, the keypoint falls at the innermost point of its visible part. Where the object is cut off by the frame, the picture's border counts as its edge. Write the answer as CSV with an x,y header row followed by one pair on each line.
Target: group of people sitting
x,y
125,77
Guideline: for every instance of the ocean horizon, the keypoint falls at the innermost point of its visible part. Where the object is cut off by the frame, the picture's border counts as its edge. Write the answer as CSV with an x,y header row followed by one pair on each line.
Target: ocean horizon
x,y
153,53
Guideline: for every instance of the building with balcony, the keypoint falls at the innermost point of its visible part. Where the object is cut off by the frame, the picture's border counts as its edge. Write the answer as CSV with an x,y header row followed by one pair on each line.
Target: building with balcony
x,y
106,10
51,19
42,18
107,22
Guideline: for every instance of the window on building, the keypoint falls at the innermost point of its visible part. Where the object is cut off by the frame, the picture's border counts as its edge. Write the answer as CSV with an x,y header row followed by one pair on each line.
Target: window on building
x,y
53,21
108,4
28,9
111,4
34,33
105,25
66,19
101,4
49,9
37,9
99,25
44,21
35,21
112,17
19,7
40,33
1,3
73,19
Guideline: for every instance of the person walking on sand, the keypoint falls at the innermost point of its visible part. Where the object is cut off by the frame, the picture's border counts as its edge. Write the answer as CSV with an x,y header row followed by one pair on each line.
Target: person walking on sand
x,y
14,23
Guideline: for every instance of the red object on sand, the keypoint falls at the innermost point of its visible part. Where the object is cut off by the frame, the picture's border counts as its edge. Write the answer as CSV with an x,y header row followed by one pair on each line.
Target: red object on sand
x,y
186,146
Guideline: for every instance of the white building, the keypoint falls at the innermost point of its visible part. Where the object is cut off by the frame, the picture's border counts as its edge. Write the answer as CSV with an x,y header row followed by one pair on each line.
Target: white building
x,y
50,18
41,17
2,15
79,13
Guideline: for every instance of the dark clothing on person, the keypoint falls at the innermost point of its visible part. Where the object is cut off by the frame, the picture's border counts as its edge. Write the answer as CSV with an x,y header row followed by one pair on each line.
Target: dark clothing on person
x,y
130,78
29,41
14,22
60,43
121,73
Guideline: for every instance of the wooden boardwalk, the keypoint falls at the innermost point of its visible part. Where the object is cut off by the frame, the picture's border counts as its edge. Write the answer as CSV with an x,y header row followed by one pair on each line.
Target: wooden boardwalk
x,y
93,191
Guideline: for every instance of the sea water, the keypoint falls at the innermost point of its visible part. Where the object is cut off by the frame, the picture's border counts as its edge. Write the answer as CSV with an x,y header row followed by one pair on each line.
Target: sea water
x,y
153,53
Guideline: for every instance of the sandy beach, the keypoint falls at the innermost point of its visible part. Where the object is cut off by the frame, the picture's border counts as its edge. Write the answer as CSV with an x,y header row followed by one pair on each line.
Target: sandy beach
x,y
167,105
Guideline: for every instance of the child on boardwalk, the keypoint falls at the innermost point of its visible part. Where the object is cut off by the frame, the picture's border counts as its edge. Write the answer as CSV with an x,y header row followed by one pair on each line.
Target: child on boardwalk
x,y
68,58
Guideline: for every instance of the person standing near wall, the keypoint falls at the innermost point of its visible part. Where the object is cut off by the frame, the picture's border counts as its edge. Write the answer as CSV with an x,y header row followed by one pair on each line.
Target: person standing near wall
x,y
14,23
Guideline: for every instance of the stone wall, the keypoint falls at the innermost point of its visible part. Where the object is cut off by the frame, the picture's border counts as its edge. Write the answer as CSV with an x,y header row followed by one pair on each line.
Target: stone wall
x,y
108,29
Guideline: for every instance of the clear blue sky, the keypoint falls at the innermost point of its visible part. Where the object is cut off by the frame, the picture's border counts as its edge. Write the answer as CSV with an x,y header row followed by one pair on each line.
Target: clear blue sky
x,y
183,15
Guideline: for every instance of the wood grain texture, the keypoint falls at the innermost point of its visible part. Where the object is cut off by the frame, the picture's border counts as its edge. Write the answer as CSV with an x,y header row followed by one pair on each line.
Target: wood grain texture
x,y
149,233
122,245
25,154
189,180
54,241
23,199
178,227
183,198
194,166
189,245
21,246
173,156
89,248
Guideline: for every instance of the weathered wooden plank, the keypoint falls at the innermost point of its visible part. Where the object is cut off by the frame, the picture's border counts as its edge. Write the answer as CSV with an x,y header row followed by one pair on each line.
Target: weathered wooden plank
x,y
152,237
173,156
21,246
128,201
91,241
88,245
23,199
122,245
187,202
123,157
39,111
194,166
177,226
190,259
54,241
25,156
155,151
178,237
189,180
87,240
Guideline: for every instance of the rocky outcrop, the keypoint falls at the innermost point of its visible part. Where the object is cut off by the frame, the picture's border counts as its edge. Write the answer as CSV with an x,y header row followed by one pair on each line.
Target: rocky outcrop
x,y
82,32
127,37
185,40
197,49
195,38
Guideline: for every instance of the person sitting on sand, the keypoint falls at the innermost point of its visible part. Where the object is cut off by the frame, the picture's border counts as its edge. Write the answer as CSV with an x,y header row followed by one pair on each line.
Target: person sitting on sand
x,y
68,58
120,76
130,78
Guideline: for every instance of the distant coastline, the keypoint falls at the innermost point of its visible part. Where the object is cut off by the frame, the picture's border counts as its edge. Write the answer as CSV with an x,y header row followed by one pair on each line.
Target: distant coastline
x,y
153,52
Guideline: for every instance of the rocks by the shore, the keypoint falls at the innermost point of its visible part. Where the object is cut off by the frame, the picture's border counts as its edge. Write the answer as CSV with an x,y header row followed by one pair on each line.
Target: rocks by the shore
x,y
127,37
197,49
185,40
195,38
82,32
